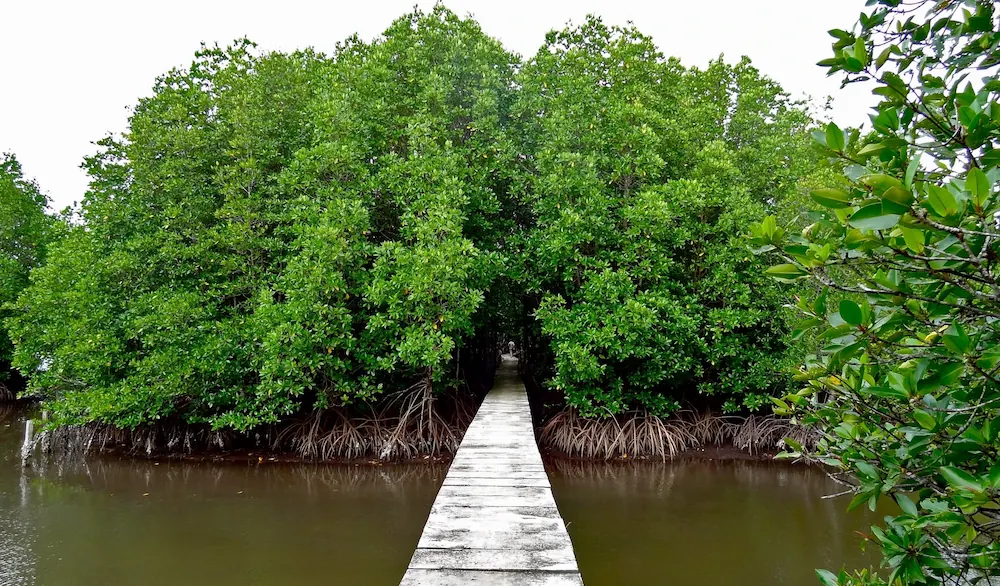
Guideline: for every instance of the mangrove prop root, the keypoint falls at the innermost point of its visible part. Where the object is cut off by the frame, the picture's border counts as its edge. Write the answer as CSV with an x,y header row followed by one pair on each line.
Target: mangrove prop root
x,y
411,424
638,434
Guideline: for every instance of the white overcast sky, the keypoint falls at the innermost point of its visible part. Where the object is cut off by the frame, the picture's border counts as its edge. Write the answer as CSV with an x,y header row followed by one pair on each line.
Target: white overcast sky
x,y
69,69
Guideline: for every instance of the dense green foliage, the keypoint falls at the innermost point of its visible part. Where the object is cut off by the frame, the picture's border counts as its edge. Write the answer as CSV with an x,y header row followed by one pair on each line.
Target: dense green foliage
x,y
401,194
148,309
281,231
645,178
905,387
284,233
25,232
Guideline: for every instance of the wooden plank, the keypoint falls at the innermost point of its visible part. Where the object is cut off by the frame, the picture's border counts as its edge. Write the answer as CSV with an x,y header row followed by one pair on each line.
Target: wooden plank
x,y
495,481
494,521
557,560
446,577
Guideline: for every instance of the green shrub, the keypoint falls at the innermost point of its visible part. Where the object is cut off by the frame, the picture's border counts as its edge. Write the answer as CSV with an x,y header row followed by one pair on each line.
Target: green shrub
x,y
25,233
281,233
644,177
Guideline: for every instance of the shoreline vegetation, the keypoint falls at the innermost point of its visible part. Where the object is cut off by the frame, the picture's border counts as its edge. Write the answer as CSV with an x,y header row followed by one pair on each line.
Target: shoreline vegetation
x,y
202,445
430,432
323,255
688,434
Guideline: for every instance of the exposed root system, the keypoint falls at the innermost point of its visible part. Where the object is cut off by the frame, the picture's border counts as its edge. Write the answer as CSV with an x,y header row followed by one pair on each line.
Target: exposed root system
x,y
150,440
641,435
414,423
411,424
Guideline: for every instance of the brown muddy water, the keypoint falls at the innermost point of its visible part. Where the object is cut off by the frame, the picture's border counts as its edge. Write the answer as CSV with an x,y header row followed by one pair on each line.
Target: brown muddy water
x,y
131,522
111,522
707,523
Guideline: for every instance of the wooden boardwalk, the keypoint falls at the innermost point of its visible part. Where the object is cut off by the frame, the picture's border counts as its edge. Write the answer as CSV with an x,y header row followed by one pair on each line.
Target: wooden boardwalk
x,y
494,521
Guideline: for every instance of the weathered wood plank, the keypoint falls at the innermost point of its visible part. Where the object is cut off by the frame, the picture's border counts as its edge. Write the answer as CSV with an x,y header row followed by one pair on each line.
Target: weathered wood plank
x,y
494,521
481,502
494,481
541,534
443,577
555,560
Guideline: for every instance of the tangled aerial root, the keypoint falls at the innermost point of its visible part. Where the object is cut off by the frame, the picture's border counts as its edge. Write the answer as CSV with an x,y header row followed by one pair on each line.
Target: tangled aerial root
x,y
638,434
412,423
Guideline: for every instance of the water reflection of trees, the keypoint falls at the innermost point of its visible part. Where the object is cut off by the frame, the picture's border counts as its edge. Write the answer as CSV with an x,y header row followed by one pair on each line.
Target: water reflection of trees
x,y
10,412
17,537
183,477
761,502
653,476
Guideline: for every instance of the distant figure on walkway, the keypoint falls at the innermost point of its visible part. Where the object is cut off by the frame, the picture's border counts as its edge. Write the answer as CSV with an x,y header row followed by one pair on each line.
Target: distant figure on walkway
x,y
511,348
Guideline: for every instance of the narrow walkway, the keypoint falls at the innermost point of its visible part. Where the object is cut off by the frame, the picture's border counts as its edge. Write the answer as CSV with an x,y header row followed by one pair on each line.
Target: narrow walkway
x,y
494,521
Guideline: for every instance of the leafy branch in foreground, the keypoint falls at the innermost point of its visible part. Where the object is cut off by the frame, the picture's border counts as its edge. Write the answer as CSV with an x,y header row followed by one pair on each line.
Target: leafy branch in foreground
x,y
906,386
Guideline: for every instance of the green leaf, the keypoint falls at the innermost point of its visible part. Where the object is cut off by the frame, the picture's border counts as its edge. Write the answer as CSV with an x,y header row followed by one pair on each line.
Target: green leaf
x,y
886,392
858,500
786,272
804,326
990,159
911,171
872,217
941,201
853,65
861,51
879,183
979,185
827,578
851,312
914,239
883,56
897,200
870,149
956,339
966,116
867,470
924,419
834,137
906,505
994,476
960,479
831,198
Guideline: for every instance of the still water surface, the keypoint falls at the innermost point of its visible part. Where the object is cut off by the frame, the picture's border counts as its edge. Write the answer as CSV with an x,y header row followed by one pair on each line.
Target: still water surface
x,y
706,523
121,522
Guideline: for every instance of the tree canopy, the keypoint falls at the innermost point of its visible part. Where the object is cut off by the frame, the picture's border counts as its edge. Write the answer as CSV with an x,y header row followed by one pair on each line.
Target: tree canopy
x,y
281,233
25,232
645,176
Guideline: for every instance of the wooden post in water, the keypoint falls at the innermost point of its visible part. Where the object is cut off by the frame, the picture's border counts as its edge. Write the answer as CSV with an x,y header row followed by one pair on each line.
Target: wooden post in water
x,y
46,439
29,437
